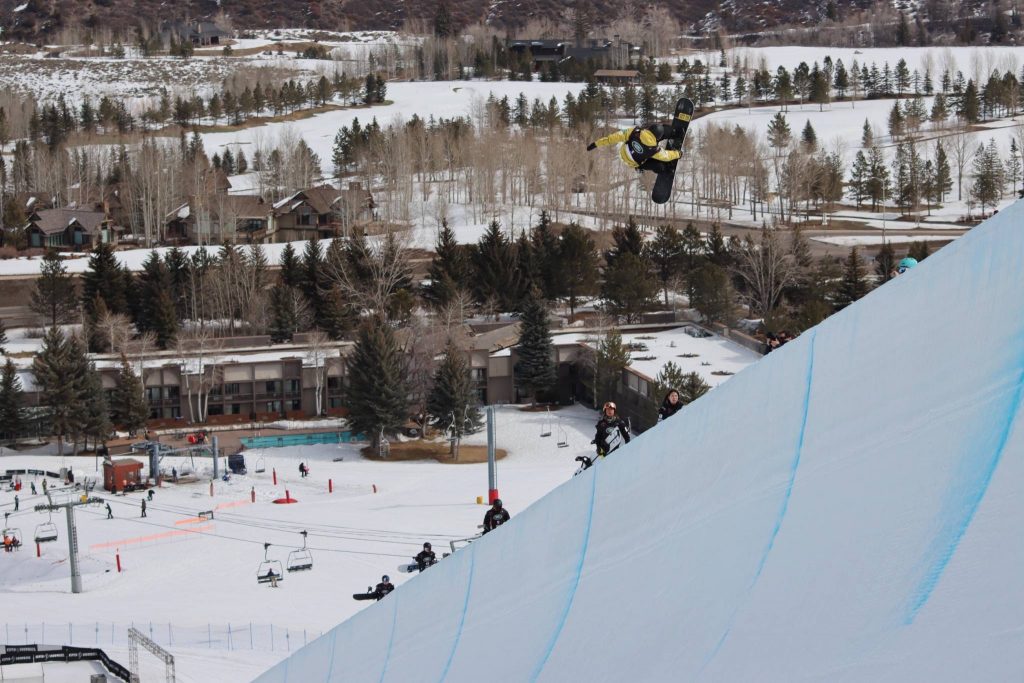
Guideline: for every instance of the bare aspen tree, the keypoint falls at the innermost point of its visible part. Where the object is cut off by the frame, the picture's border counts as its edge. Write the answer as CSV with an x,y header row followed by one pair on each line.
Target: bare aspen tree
x,y
767,269
198,350
961,145
316,356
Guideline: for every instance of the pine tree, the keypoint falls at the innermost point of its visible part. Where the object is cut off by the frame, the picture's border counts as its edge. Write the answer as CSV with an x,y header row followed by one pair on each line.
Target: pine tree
x,y
449,270
105,279
313,278
867,136
54,296
12,401
284,317
97,413
578,267
605,372
712,295
1013,165
496,280
156,311
629,288
290,267
988,176
808,138
860,172
535,371
779,133
544,247
665,252
451,403
669,378
943,181
625,240
52,369
969,106
885,262
377,393
819,88
128,403
853,284
895,120
691,388
939,109
919,250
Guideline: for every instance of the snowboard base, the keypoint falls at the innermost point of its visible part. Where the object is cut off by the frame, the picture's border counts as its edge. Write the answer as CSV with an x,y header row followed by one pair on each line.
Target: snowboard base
x,y
680,122
364,596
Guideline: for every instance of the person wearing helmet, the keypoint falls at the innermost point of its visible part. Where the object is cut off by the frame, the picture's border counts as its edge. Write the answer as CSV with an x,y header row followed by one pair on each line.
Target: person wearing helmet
x,y
612,430
425,558
639,147
904,265
496,516
384,587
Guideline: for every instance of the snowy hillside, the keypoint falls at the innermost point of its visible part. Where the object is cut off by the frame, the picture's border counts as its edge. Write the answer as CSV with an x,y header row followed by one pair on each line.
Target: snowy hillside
x,y
848,509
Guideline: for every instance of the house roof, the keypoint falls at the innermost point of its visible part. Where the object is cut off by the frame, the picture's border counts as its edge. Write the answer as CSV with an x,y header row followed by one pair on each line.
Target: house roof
x,y
53,221
322,199
496,339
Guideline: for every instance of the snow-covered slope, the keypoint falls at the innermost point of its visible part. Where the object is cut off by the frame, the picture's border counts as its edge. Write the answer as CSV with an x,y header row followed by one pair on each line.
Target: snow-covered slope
x,y
848,509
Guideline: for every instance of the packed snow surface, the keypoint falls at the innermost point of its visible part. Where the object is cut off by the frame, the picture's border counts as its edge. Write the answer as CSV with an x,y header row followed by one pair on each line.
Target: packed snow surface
x,y
847,509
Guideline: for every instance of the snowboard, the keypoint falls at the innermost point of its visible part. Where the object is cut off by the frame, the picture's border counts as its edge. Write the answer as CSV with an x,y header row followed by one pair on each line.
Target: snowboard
x,y
365,596
413,567
680,122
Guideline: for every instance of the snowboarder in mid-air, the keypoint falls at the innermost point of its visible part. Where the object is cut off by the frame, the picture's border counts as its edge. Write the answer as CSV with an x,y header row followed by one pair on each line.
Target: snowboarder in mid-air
x,y
496,516
612,430
425,558
640,148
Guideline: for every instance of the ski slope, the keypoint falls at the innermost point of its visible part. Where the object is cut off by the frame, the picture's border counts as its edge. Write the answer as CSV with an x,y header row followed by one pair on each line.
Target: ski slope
x,y
847,509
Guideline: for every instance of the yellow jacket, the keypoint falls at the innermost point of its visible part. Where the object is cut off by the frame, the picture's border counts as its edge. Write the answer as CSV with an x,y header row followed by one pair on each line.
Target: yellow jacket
x,y
622,136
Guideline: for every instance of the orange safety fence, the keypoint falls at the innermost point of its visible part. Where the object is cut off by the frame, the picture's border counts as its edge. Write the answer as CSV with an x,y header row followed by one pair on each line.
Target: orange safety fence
x,y
151,537
219,506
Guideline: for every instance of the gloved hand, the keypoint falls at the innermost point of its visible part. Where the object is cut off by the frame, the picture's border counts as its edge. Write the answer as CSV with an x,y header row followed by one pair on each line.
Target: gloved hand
x,y
592,146
673,144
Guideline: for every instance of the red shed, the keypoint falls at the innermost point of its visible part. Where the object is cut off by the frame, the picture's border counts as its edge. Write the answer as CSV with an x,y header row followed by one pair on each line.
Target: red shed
x,y
121,473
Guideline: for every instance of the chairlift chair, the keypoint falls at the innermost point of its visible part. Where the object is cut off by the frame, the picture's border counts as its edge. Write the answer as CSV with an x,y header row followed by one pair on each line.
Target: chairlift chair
x,y
11,532
545,425
563,436
269,569
261,465
301,559
47,531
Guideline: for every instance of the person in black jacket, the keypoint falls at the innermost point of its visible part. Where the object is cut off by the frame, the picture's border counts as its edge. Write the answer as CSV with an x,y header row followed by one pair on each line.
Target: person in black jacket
x,y
670,406
384,587
426,557
609,429
496,516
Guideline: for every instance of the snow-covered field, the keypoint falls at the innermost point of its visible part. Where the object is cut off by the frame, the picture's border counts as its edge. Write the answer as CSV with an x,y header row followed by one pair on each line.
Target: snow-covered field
x,y
192,580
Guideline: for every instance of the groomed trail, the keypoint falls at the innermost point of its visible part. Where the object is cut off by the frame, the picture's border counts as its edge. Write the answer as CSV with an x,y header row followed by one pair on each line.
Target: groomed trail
x,y
847,509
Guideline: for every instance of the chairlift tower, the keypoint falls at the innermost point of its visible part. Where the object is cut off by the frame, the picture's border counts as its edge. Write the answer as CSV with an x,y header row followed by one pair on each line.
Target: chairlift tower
x,y
69,510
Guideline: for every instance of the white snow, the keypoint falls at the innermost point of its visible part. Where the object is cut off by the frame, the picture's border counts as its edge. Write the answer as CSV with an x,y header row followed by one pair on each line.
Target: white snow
x,y
187,585
876,240
848,509
703,355
133,259
20,8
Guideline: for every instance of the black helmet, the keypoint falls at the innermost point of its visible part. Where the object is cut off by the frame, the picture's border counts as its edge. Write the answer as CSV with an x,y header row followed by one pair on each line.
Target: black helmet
x,y
497,502
385,579
426,546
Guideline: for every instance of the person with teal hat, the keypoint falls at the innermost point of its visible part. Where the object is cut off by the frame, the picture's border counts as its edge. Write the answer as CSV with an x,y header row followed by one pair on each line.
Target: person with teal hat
x,y
904,265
